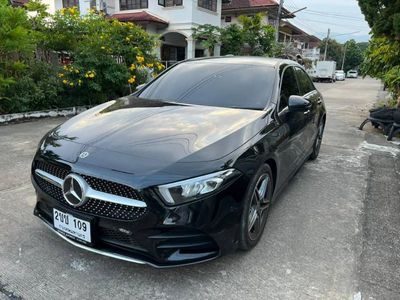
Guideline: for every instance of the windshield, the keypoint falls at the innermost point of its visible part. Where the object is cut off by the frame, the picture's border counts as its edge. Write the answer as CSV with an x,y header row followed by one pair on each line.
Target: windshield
x,y
214,84
339,72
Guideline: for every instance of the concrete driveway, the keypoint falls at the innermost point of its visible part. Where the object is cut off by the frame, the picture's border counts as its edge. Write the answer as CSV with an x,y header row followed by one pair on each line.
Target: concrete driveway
x,y
333,234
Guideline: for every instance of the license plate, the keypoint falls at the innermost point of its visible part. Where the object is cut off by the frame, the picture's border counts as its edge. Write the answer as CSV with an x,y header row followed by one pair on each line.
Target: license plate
x,y
72,226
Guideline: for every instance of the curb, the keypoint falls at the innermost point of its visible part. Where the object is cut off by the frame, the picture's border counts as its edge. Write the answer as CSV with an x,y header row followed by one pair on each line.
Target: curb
x,y
21,117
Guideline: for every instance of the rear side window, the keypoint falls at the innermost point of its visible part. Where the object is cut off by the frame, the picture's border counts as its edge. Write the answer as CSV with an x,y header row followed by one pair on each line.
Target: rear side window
x,y
305,84
288,88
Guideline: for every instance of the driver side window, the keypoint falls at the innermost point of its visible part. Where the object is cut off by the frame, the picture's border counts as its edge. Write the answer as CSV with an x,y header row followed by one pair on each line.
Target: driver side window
x,y
289,87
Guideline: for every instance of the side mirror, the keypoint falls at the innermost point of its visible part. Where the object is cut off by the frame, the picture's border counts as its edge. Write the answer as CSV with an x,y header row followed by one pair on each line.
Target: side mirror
x,y
298,103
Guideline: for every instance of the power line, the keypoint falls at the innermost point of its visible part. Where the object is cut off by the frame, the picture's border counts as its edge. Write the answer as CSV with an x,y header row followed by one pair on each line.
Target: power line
x,y
294,7
334,16
350,33
309,27
336,24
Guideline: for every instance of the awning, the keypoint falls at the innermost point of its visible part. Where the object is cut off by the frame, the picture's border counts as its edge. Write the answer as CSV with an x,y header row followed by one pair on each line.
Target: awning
x,y
139,17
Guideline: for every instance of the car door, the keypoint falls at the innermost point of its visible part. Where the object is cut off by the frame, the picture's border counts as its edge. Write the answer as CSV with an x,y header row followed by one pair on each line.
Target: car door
x,y
291,150
308,91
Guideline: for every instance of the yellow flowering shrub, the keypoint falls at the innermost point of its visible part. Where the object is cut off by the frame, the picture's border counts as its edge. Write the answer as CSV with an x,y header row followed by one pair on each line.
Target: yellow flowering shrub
x,y
108,58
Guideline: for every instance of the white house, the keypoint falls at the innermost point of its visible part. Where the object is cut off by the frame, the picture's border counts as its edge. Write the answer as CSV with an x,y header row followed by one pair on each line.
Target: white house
x,y
173,20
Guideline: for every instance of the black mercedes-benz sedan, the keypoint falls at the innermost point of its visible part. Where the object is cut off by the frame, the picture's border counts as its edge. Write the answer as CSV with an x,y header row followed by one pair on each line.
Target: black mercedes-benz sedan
x,y
185,169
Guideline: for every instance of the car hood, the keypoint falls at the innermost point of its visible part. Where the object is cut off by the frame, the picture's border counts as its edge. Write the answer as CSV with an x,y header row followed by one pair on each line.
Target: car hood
x,y
143,136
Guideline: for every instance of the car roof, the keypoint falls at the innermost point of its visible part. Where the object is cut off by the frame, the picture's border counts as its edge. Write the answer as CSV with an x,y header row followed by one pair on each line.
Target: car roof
x,y
248,60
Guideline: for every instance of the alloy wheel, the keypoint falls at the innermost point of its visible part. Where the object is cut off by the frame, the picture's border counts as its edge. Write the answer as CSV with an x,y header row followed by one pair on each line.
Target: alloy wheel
x,y
259,207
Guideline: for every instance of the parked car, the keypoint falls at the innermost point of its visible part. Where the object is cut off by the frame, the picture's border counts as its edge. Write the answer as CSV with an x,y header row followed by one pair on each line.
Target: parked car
x,y
352,74
326,71
185,169
340,75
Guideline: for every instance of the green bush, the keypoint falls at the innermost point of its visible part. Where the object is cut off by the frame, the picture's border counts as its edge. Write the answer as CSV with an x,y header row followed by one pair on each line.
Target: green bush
x,y
102,58
107,57
382,60
39,88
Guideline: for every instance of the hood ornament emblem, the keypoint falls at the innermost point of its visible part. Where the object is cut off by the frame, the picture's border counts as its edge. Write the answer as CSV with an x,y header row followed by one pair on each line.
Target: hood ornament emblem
x,y
84,154
74,190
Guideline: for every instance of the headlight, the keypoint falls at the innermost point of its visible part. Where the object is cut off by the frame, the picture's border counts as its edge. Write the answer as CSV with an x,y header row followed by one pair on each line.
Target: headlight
x,y
194,188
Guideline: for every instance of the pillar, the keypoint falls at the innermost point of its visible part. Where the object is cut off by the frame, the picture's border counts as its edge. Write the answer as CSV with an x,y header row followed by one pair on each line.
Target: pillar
x,y
217,50
190,48
84,6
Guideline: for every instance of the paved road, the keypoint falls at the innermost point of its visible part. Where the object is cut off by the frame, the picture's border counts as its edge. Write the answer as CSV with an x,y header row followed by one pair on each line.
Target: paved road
x,y
333,234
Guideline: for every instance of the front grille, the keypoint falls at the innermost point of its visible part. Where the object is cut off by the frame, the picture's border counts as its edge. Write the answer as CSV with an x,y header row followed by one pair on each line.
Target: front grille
x,y
93,206
95,183
111,187
52,169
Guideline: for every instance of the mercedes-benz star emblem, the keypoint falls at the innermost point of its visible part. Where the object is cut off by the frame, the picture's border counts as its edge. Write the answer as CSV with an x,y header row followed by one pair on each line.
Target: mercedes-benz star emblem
x,y
84,154
74,190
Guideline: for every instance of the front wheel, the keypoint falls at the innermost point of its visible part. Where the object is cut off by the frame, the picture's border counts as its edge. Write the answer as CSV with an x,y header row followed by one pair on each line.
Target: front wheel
x,y
257,202
318,141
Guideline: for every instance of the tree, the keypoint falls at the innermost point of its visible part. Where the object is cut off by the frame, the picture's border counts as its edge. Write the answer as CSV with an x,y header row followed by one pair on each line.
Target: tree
x,y
335,50
382,58
354,56
16,46
363,46
232,40
209,35
102,58
105,56
383,16
259,37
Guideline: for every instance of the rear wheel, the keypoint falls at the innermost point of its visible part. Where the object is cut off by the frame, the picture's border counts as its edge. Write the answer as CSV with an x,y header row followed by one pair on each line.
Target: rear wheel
x,y
255,212
318,141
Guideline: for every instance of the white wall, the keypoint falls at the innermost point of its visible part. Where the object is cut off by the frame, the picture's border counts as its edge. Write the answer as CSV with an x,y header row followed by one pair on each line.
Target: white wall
x,y
180,18
205,16
52,5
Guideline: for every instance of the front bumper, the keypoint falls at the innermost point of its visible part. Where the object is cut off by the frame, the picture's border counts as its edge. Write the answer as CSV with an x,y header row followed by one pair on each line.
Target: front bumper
x,y
164,236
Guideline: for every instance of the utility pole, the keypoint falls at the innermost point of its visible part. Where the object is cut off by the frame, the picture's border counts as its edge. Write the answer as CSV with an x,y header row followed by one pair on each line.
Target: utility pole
x,y
326,43
278,21
344,55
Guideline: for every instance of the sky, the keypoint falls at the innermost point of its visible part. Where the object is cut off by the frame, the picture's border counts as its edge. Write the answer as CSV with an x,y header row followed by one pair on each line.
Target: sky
x,y
343,17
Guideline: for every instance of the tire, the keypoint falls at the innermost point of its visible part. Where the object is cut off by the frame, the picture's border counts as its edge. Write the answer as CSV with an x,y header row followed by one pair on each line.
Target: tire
x,y
255,210
318,141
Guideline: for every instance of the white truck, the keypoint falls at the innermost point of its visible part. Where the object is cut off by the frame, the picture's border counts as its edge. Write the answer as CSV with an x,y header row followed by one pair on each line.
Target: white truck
x,y
325,71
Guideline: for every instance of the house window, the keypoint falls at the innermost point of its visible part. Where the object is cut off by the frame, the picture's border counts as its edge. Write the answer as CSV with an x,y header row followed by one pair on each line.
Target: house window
x,y
169,3
70,3
208,4
228,19
133,4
